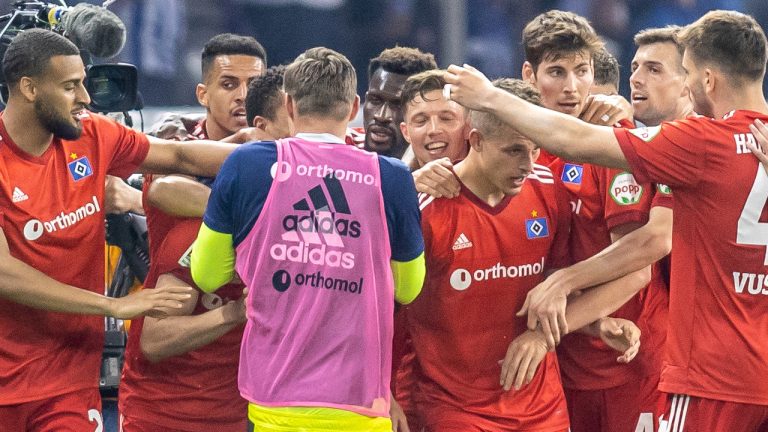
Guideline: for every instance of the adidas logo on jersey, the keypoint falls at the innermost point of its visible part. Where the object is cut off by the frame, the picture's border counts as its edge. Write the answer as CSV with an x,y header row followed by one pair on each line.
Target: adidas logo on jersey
x,y
462,242
18,195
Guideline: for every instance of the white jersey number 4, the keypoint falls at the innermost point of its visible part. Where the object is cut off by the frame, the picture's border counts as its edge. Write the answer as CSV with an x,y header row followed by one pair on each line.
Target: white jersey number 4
x,y
750,231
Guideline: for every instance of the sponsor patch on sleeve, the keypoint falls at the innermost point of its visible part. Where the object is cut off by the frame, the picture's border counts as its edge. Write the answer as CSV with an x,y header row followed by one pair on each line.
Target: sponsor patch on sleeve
x,y
625,190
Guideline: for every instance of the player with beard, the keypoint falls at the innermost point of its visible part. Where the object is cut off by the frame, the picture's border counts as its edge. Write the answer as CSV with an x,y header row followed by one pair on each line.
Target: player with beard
x,y
159,389
55,158
382,108
717,235
658,94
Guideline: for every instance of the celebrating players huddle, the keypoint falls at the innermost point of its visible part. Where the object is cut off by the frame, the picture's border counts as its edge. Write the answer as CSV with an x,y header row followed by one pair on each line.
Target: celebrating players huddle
x,y
543,282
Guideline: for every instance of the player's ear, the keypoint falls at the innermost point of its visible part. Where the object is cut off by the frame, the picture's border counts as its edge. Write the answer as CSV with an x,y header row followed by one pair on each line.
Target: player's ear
x,y
289,107
475,140
260,122
355,108
710,80
201,91
404,131
528,73
28,89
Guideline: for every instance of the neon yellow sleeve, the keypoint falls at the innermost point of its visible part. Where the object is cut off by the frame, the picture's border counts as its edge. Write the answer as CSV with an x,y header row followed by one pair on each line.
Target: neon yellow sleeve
x,y
213,259
409,277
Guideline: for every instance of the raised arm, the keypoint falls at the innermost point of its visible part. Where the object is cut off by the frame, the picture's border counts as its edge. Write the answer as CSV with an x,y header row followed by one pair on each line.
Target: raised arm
x,y
557,133
202,158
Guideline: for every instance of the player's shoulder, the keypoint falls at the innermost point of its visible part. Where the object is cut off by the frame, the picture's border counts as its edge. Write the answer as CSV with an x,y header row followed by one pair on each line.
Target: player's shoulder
x,y
541,175
393,170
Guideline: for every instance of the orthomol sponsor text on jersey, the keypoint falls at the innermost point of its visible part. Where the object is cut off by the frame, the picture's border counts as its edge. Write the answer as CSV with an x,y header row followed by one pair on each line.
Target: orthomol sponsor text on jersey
x,y
461,278
282,171
35,228
282,280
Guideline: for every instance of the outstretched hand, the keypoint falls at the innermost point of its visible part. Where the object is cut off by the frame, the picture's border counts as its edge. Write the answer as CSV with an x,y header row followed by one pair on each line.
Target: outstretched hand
x,y
156,302
621,335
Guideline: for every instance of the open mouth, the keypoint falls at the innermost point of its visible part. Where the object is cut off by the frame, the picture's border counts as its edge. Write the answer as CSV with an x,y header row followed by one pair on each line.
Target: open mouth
x,y
380,135
638,97
436,147
239,115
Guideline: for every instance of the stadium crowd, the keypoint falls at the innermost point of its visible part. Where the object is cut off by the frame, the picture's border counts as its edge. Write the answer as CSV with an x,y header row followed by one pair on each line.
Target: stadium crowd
x,y
482,255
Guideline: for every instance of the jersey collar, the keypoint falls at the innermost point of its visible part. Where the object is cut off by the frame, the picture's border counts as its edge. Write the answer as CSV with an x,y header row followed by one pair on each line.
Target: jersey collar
x,y
321,137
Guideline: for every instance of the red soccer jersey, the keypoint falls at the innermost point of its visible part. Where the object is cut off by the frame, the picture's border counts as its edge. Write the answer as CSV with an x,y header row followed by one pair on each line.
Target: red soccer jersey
x,y
51,211
717,322
195,391
602,199
481,263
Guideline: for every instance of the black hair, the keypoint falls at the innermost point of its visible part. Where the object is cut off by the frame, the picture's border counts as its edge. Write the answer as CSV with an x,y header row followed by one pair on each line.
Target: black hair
x,y
402,60
264,94
230,44
30,52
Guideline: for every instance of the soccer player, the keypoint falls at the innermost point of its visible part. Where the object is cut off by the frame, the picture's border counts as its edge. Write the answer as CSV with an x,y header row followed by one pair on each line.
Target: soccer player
x,y
180,372
55,157
719,258
315,252
382,108
435,127
658,93
265,104
606,204
485,250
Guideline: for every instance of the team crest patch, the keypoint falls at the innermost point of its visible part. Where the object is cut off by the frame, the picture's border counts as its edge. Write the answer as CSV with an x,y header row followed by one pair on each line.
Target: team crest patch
x,y
625,190
536,228
646,133
663,189
572,174
80,168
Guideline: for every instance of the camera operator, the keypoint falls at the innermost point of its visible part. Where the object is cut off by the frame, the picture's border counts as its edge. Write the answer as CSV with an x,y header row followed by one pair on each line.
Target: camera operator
x,y
54,158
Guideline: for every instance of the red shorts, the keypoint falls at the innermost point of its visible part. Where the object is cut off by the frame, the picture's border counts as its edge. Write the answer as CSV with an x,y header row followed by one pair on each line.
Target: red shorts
x,y
632,407
78,411
693,414
441,418
132,424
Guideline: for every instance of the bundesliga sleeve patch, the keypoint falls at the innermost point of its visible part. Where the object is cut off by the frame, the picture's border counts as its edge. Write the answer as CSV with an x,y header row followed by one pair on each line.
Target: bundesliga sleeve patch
x,y
646,133
625,190
80,168
572,174
663,189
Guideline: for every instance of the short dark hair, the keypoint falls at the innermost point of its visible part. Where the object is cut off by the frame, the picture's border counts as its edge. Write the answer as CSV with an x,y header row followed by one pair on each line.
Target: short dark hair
x,y
402,60
230,44
420,84
265,94
30,52
606,68
732,41
491,126
666,34
322,83
556,34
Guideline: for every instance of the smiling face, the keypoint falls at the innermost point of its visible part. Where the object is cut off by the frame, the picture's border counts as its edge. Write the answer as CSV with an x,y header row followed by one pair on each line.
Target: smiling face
x,y
61,96
223,94
564,82
657,83
436,127
382,114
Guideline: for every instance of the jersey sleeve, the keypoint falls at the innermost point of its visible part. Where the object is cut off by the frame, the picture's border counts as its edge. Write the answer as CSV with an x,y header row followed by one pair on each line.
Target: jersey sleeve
x,y
240,190
626,200
673,153
663,197
401,206
126,148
